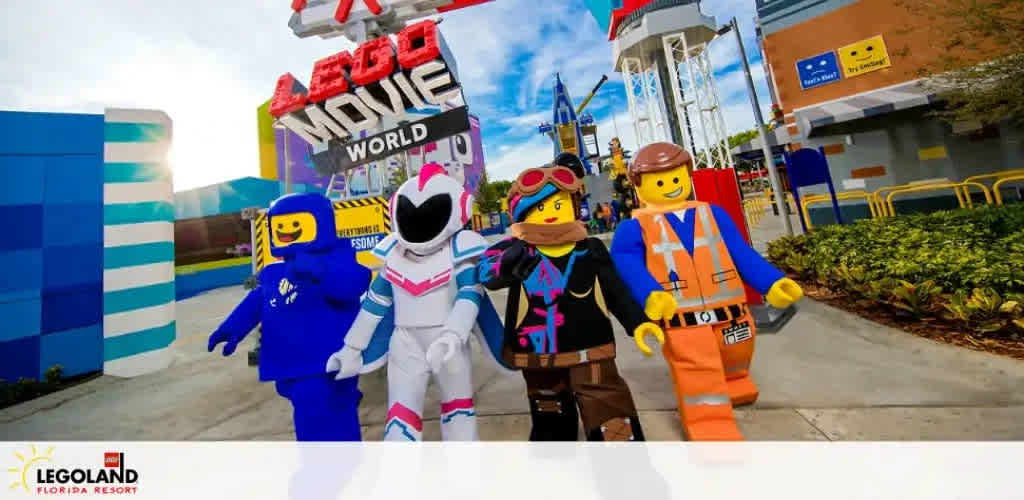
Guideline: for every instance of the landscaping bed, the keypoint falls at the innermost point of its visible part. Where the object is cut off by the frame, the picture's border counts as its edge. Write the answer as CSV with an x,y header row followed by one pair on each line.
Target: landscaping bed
x,y
956,276
12,393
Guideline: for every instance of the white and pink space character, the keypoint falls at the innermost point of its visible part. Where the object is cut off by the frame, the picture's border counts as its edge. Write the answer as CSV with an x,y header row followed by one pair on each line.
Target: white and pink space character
x,y
428,288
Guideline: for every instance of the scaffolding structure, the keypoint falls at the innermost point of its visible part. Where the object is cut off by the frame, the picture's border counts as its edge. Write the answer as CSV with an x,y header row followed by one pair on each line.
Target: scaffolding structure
x,y
660,49
646,101
695,94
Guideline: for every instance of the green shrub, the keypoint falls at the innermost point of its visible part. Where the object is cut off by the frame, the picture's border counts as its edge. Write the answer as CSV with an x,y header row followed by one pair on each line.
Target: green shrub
x,y
12,393
907,262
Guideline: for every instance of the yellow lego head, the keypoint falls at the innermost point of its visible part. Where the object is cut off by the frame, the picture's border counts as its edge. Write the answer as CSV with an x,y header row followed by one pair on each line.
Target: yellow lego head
x,y
661,174
555,209
288,229
665,188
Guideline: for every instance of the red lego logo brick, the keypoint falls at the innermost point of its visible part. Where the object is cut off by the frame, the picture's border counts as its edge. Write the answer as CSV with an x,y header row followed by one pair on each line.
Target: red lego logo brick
x,y
111,459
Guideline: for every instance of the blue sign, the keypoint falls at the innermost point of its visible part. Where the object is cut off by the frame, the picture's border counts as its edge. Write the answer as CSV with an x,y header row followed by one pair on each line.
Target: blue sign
x,y
818,70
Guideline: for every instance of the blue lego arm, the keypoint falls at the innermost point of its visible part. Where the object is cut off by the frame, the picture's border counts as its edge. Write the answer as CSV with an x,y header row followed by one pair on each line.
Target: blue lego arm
x,y
335,273
630,257
346,280
752,267
238,324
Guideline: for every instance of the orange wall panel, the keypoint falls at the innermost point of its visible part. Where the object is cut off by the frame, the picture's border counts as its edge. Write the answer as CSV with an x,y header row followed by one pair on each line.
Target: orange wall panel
x,y
911,44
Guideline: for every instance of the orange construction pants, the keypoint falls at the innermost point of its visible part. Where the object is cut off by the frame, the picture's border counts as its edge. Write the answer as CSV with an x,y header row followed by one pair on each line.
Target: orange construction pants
x,y
710,366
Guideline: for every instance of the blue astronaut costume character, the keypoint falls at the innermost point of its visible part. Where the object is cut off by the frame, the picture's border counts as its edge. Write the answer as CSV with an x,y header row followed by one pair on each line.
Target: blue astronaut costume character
x,y
306,303
428,284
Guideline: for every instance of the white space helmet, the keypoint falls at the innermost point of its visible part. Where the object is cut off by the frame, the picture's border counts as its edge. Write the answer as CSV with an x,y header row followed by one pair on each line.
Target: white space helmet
x,y
428,209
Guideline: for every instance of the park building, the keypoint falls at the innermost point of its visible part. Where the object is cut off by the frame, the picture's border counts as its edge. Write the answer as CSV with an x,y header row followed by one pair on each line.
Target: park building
x,y
850,77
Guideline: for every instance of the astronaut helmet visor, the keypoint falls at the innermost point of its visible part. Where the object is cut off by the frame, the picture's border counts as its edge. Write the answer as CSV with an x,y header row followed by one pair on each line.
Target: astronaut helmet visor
x,y
423,223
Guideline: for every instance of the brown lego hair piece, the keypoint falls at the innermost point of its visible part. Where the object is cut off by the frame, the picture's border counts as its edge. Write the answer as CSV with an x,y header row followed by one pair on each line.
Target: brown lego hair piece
x,y
658,157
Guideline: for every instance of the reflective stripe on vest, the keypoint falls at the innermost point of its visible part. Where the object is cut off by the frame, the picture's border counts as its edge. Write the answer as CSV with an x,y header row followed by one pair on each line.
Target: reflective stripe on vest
x,y
728,289
704,280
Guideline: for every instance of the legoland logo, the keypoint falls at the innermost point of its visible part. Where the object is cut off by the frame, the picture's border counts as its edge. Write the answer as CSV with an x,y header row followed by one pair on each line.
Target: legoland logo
x,y
34,476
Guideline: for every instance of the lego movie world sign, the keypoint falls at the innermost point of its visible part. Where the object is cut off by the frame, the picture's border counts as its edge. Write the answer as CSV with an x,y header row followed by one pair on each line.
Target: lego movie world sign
x,y
351,95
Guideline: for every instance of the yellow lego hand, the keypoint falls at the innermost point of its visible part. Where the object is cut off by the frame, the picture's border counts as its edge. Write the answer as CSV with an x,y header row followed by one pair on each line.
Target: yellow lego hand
x,y
642,331
660,305
783,293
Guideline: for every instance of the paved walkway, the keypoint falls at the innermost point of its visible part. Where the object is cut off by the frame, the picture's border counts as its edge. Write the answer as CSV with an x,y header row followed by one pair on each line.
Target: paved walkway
x,y
828,375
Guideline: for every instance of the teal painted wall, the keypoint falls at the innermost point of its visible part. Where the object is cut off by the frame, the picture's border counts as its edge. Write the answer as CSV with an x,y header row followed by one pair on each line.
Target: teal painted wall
x,y
231,197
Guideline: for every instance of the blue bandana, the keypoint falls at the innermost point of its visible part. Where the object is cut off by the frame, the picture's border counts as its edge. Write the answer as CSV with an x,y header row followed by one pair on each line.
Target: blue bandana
x,y
528,202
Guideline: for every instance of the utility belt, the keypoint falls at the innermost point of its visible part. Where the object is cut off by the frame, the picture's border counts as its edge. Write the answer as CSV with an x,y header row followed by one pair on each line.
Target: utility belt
x,y
708,316
559,360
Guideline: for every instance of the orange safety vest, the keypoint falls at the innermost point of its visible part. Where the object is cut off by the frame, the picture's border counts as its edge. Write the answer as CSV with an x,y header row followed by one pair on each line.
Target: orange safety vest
x,y
703,281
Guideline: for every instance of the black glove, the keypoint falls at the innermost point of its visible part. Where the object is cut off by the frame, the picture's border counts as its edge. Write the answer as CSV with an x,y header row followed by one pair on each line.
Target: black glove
x,y
518,260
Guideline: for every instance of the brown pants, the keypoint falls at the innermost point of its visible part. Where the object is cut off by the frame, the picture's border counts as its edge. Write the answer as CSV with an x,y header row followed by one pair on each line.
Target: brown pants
x,y
603,400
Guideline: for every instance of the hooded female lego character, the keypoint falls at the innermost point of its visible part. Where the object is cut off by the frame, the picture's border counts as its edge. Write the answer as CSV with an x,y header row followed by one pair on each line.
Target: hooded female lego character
x,y
562,287
305,302
428,284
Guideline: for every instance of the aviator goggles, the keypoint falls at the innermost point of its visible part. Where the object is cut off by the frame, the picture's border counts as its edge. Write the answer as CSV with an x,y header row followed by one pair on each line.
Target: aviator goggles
x,y
533,179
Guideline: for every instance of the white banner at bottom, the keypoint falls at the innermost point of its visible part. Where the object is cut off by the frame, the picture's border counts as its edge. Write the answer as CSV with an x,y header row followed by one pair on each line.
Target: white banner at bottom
x,y
492,471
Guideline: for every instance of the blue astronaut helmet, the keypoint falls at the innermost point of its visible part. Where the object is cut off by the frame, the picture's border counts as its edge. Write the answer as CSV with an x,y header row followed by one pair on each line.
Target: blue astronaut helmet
x,y
301,222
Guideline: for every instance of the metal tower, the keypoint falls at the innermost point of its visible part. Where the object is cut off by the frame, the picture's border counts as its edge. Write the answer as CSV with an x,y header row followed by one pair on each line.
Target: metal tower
x,y
660,50
695,92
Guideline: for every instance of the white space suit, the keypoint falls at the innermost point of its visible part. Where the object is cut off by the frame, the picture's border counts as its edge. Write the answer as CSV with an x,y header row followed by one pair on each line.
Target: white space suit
x,y
428,283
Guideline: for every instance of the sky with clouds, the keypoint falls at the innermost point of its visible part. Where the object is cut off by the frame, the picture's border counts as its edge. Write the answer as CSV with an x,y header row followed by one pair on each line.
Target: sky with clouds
x,y
209,64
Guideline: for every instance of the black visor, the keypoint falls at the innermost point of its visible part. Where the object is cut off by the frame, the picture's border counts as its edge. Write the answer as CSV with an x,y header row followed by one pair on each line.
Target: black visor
x,y
423,223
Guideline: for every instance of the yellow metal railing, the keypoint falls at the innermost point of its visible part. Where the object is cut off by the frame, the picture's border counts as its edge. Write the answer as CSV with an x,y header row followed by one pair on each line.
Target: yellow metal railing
x,y
996,175
1009,178
955,186
879,201
841,196
754,209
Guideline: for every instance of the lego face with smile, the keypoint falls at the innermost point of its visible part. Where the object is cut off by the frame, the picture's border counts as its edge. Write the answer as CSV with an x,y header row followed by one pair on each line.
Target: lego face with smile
x,y
668,187
864,56
287,229
555,209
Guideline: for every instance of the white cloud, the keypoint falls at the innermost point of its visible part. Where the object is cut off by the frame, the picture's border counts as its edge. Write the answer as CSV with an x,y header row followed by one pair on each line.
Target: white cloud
x,y
514,158
210,64
525,121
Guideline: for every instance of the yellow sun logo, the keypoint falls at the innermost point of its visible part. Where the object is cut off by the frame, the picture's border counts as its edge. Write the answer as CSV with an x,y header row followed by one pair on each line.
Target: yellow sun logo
x,y
26,464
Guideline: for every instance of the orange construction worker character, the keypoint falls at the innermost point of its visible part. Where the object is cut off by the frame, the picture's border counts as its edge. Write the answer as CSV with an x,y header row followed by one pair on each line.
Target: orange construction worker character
x,y
686,262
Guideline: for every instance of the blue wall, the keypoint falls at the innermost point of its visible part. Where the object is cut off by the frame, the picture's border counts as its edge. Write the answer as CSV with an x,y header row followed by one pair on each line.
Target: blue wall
x,y
191,284
51,251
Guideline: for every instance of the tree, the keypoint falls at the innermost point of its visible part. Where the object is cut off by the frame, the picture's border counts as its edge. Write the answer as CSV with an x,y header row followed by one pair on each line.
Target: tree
x,y
398,177
488,196
740,138
980,66
501,188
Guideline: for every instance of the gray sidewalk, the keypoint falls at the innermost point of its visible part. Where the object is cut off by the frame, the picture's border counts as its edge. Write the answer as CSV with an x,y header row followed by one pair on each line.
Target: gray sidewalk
x,y
828,375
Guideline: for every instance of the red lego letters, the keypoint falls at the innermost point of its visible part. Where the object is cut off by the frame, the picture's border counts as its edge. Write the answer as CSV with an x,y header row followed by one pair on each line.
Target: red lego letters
x,y
372,62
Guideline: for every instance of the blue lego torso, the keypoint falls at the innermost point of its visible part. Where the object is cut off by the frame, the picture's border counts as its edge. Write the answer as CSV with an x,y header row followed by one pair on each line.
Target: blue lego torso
x,y
301,328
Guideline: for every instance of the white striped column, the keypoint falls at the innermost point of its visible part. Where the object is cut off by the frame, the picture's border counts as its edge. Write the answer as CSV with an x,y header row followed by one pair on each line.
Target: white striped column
x,y
138,241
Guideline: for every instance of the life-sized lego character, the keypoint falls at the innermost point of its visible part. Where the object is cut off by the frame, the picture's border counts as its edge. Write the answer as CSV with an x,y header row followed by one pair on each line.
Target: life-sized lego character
x,y
305,303
687,262
428,284
562,287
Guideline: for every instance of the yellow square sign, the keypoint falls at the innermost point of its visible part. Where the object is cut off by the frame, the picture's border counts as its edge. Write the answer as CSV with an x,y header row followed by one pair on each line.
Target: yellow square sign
x,y
864,56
